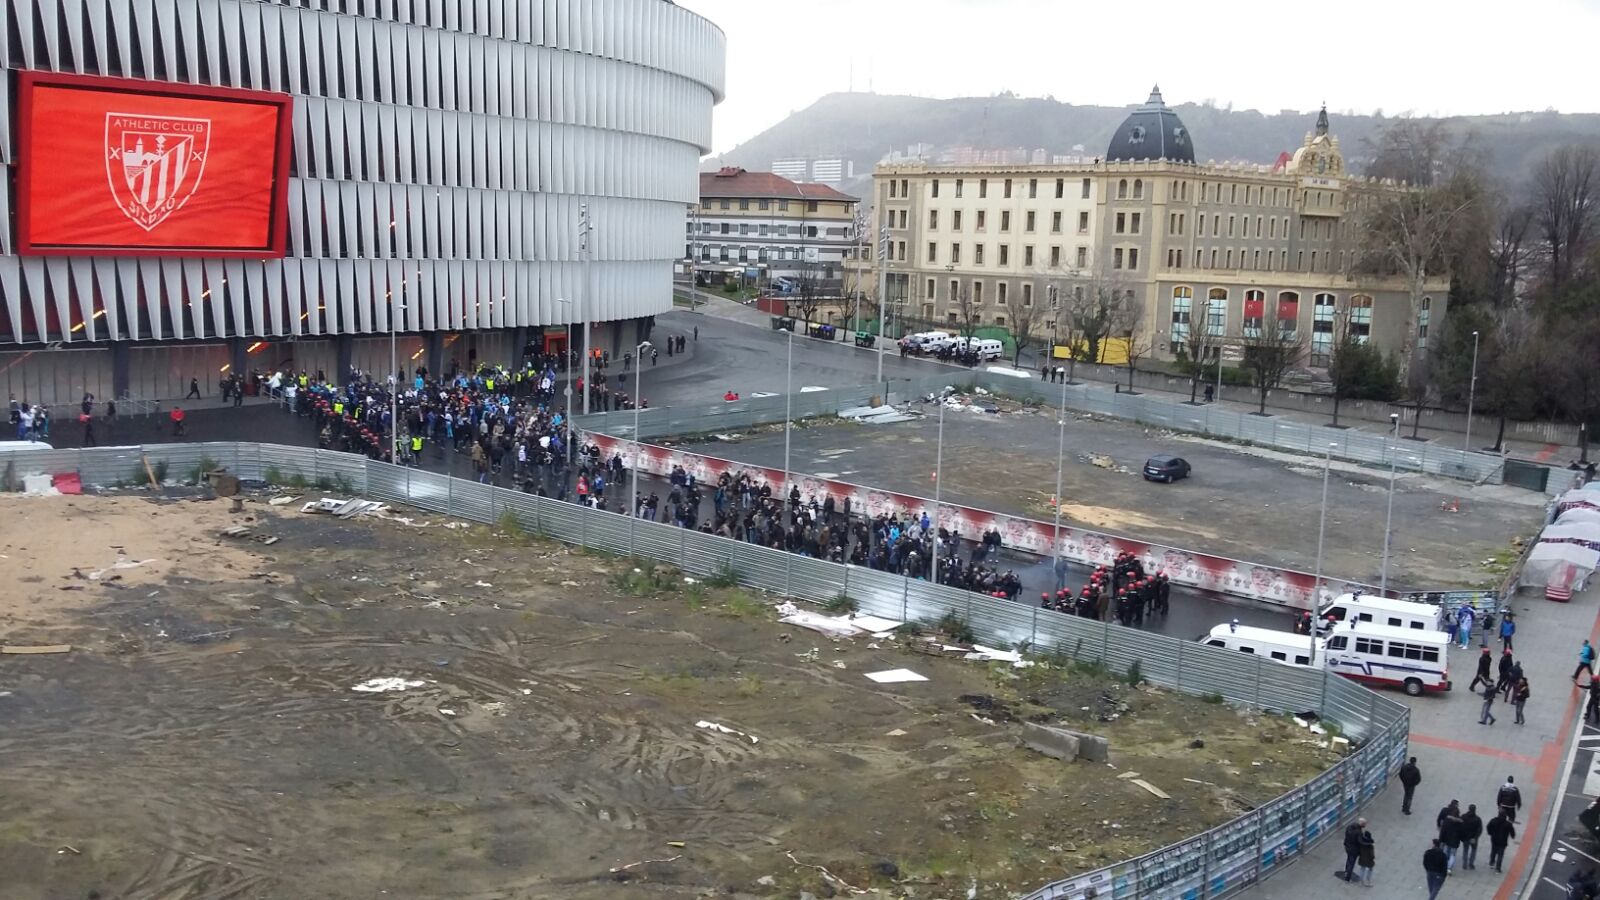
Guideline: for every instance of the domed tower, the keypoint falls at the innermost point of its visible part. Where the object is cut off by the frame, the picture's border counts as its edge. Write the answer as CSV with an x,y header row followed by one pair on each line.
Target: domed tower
x,y
1151,132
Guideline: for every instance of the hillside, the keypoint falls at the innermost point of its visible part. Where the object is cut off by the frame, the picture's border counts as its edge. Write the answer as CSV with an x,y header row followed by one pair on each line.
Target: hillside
x,y
864,127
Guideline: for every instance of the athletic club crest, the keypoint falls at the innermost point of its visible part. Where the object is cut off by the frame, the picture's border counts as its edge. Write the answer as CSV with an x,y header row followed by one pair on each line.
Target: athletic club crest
x,y
154,163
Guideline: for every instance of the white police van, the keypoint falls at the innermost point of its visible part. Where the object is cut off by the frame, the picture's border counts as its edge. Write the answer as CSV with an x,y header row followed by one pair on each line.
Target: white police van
x,y
1281,646
1415,660
1367,608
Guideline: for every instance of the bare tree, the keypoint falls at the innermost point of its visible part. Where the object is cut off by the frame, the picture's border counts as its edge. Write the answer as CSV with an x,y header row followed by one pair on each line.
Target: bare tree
x,y
1407,228
807,297
1063,324
1093,303
1357,368
1201,344
1566,186
1269,353
1127,323
1027,317
968,309
1508,253
1510,361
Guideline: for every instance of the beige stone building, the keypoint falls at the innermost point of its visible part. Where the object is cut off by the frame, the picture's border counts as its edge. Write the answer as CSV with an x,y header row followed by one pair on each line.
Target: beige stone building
x,y
767,224
1230,248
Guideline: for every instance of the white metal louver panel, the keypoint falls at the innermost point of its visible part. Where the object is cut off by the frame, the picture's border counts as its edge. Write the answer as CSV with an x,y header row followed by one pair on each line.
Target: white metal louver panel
x,y
129,286
357,281
172,290
311,290
82,272
274,298
152,298
110,293
60,282
216,295
190,271
11,286
255,297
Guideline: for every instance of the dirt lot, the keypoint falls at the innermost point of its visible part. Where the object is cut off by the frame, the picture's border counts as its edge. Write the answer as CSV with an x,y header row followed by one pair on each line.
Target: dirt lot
x,y
202,739
1243,503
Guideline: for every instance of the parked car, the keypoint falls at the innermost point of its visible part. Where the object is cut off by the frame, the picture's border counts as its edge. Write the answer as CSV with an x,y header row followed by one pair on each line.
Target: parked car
x,y
1165,468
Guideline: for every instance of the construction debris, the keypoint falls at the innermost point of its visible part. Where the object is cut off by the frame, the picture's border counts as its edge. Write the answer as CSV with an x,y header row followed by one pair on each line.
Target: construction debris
x,y
35,649
1152,788
718,726
344,509
239,533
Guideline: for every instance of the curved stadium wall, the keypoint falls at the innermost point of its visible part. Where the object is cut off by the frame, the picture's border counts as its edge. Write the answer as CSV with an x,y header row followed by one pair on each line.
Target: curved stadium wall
x,y
440,153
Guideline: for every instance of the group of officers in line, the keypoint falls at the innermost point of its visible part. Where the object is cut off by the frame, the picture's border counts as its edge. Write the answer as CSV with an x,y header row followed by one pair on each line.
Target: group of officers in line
x,y
1122,590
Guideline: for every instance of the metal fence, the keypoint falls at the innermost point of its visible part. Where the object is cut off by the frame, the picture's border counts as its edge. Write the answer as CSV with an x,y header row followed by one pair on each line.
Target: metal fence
x,y
1215,864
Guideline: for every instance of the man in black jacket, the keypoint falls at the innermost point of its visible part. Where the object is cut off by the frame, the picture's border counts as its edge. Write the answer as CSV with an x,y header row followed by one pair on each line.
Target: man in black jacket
x,y
1437,867
1471,829
1449,823
1410,777
1500,831
1509,798
1352,847
1485,671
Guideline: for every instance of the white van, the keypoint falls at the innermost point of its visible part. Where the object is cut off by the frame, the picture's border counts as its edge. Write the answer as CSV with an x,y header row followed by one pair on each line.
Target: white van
x,y
1282,646
1414,660
987,348
917,343
25,445
1366,608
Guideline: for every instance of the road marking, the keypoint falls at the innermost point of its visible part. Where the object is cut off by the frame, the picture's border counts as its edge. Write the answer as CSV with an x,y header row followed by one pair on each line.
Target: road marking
x,y
1479,749
1555,884
1591,781
1577,851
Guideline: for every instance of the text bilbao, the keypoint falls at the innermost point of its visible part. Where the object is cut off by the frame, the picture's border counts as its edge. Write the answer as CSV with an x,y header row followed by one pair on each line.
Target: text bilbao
x,y
112,165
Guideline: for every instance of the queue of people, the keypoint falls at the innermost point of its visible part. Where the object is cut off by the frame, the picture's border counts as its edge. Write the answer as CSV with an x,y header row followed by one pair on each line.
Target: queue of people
x,y
1122,591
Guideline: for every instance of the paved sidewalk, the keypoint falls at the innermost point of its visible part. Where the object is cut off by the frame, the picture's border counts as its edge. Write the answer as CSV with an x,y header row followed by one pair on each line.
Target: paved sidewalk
x,y
1465,761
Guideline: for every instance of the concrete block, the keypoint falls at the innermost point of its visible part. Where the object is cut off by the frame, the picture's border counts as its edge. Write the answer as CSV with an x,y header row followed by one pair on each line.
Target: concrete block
x,y
1093,748
1057,743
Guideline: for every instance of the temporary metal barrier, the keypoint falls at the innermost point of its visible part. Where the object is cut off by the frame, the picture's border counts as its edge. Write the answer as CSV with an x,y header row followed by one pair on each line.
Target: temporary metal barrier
x,y
1218,863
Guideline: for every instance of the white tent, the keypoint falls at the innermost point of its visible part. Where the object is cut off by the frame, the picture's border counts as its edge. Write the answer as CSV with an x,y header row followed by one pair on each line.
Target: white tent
x,y
1578,514
1587,533
1547,559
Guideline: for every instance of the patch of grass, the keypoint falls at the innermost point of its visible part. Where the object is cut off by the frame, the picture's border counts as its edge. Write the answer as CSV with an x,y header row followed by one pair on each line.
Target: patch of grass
x,y
160,468
1135,675
344,485
955,628
1213,699
297,482
199,470
643,578
695,595
273,475
748,686
325,483
511,527
726,576
840,604
740,605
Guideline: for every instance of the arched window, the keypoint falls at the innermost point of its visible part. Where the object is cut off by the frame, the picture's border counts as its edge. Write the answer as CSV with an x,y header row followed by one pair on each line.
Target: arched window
x,y
1255,303
1322,315
1217,312
1288,313
1361,318
1182,314
1138,189
1122,189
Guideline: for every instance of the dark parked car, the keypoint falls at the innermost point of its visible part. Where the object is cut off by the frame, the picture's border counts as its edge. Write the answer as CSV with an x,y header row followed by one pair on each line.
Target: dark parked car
x,y
1165,468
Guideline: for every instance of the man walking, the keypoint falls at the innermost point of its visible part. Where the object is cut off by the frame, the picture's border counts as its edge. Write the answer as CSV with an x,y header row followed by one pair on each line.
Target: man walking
x,y
1519,697
1489,695
1591,712
1410,777
1585,662
194,390
1500,831
1352,847
1509,799
1449,824
1471,829
1485,671
1508,628
1437,866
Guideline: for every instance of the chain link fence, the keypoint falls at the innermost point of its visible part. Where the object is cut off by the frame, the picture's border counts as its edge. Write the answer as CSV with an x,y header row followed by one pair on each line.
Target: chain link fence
x,y
1215,864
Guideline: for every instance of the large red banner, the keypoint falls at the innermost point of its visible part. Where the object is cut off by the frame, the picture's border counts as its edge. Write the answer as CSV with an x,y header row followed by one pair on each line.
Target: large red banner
x,y
118,166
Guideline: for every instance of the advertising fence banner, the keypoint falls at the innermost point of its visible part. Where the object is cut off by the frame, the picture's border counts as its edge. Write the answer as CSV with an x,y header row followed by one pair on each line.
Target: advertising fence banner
x,y
128,167
1268,584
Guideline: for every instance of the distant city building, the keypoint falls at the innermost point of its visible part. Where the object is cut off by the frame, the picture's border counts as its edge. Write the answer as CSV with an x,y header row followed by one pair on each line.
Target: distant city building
x,y
792,169
771,224
1230,248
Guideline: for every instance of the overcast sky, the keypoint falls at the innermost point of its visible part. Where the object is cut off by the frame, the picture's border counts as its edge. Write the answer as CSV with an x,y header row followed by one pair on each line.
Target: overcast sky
x,y
1422,56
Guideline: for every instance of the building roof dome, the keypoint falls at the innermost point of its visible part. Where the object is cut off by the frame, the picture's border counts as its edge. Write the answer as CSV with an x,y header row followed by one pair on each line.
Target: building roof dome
x,y
1151,132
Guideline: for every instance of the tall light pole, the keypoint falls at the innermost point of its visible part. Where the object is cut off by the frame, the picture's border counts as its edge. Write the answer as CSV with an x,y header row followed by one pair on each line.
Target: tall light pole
x,y
567,413
585,226
1388,521
394,386
1322,531
1061,454
938,479
633,489
788,411
883,293
1472,391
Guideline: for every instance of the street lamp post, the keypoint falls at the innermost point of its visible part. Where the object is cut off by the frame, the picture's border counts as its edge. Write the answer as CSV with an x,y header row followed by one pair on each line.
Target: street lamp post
x,y
585,226
938,479
1472,391
788,411
567,412
1322,531
1388,521
883,294
394,386
1061,454
633,490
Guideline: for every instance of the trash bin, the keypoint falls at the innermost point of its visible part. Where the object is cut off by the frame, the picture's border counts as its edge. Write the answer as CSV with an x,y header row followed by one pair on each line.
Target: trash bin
x,y
865,339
